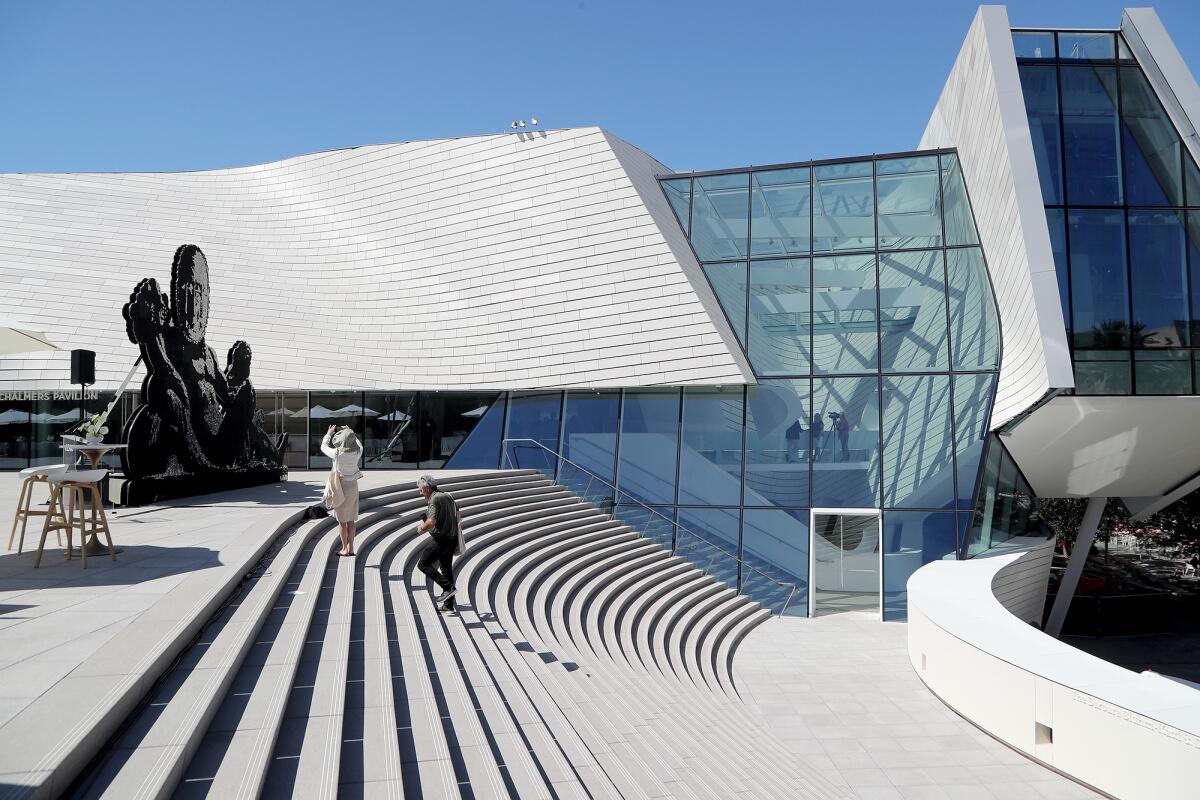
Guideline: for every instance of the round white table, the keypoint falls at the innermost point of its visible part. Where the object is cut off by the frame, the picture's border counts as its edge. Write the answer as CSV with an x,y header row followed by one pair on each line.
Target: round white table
x,y
93,452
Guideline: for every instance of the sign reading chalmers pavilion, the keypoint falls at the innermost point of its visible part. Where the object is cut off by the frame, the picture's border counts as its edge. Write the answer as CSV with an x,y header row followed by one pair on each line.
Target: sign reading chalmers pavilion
x,y
197,430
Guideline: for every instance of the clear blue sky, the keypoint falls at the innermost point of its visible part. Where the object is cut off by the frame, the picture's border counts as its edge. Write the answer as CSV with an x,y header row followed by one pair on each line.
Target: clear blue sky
x,y
167,85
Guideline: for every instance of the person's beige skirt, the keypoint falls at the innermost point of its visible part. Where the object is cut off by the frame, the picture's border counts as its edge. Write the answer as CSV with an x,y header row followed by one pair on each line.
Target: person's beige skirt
x,y
348,510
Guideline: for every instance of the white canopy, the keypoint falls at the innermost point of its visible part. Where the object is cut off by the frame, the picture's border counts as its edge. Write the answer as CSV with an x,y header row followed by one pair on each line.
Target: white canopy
x,y
476,412
353,411
17,337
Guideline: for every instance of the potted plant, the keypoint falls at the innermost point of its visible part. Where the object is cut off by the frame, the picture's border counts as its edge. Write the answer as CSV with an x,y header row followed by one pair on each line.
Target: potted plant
x,y
94,429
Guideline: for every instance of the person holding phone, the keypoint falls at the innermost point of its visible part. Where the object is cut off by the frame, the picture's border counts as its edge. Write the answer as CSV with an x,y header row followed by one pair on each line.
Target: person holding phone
x,y
344,449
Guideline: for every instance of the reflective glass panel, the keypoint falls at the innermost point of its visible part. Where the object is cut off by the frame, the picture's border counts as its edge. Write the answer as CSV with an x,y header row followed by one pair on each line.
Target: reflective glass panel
x,y
679,193
780,208
1102,372
779,437
590,431
1123,50
1099,286
1033,44
845,456
918,442
390,430
720,204
909,203
710,459
535,415
649,445
52,417
1153,150
960,224
1040,86
1087,47
331,408
481,447
1056,221
845,318
15,429
845,563
1158,268
1091,135
1006,503
912,306
729,284
780,317
708,537
843,207
974,325
972,405
1192,175
446,418
775,542
912,539
656,524
1193,249
1163,372
285,414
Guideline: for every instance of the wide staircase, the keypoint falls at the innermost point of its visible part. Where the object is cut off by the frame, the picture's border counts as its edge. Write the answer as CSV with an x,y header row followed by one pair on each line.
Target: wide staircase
x,y
585,661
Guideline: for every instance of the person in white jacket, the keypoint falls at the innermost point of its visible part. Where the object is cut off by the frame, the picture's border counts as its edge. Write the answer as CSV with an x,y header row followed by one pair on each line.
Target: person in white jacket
x,y
344,449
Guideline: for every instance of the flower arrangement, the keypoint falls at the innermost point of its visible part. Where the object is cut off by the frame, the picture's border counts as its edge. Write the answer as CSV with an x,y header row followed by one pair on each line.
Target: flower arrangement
x,y
94,428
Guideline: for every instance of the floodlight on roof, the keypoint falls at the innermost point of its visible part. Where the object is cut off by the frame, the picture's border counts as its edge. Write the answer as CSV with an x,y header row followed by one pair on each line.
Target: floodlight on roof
x,y
533,121
514,126
521,124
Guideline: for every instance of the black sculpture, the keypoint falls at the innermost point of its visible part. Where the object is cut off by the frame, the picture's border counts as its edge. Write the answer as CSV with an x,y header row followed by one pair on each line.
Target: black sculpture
x,y
198,429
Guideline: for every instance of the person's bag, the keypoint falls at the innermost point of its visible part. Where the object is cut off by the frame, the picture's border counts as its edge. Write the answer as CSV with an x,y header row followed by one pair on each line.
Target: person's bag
x,y
316,511
460,544
333,496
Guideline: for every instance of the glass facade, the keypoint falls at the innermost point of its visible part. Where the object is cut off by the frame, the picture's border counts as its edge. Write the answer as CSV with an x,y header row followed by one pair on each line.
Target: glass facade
x,y
1123,208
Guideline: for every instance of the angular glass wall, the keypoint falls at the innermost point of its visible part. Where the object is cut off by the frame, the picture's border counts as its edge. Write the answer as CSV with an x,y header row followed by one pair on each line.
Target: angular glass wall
x,y
1123,209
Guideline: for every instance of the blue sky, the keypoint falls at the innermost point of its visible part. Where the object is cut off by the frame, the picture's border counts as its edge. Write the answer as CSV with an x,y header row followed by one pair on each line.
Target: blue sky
x,y
151,85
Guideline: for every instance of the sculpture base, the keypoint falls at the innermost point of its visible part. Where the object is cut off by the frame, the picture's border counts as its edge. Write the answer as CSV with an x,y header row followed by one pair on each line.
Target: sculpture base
x,y
153,488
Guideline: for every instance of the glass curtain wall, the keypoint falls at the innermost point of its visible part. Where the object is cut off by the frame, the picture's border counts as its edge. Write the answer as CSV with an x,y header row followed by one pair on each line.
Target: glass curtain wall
x,y
1123,208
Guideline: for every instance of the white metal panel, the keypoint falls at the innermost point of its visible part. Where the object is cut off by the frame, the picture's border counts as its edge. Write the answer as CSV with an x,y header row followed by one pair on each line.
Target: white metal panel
x,y
981,112
508,261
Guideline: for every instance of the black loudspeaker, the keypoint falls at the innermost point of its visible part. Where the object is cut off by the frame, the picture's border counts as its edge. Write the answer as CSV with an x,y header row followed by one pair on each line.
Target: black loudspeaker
x,y
83,367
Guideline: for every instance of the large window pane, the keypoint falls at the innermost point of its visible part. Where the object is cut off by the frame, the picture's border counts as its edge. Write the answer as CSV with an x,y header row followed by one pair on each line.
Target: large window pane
x,y
729,284
1040,86
446,418
649,445
972,404
1091,135
779,438
1153,152
331,408
909,203
1163,372
719,207
710,460
1099,286
918,443
1158,262
481,447
1193,250
974,325
708,537
775,550
780,209
960,223
780,317
389,430
912,539
1033,45
285,415
535,415
1056,221
1006,504
590,431
15,430
1087,47
1102,372
679,193
846,459
845,319
843,207
912,306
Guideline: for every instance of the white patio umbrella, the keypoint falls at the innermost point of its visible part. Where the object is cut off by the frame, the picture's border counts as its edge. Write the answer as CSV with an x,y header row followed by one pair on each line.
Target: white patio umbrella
x,y
17,337
395,416
317,412
13,415
476,412
353,411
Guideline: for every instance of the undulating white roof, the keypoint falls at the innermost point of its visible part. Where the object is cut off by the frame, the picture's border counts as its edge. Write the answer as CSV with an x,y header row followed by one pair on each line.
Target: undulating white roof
x,y
524,260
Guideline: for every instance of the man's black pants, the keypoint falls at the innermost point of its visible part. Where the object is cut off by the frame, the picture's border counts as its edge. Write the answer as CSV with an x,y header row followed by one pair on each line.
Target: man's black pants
x,y
441,551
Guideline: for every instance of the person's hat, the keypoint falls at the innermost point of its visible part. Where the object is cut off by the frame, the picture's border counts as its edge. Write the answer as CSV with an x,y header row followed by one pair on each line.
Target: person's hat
x,y
344,439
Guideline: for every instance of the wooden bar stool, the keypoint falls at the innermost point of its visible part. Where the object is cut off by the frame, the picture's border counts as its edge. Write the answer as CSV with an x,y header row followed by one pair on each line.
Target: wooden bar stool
x,y
81,491
32,476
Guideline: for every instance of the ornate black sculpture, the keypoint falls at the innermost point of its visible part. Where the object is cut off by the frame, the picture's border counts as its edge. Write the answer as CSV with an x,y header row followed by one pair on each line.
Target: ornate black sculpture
x,y
197,430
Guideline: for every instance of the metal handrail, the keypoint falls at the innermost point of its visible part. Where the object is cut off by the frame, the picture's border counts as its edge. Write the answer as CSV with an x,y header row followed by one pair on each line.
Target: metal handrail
x,y
676,528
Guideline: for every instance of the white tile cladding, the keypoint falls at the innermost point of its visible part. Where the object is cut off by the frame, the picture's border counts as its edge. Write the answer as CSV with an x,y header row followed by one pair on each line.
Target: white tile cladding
x,y
981,112
525,260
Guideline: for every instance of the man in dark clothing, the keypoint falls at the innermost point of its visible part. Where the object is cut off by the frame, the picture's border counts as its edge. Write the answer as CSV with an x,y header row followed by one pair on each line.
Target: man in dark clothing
x,y
441,523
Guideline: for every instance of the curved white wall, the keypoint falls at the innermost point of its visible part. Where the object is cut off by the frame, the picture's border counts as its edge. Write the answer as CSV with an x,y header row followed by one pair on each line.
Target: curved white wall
x,y
508,261
1133,736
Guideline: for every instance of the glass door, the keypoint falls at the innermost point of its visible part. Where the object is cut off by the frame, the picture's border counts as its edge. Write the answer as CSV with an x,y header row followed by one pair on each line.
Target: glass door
x,y
845,566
